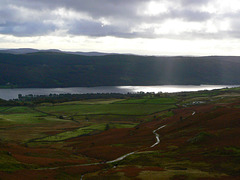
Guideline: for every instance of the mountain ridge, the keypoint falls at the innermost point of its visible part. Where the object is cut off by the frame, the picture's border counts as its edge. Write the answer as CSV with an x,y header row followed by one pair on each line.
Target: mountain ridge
x,y
31,50
59,69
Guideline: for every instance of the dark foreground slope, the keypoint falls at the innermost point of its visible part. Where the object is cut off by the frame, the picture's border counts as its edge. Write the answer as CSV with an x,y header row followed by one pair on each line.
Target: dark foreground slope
x,y
53,69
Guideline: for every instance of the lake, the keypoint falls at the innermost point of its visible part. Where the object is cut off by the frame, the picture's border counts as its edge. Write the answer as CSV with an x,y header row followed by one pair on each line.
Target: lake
x,y
13,93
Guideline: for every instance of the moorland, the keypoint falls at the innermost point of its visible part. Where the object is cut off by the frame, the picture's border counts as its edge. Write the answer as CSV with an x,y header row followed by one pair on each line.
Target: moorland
x,y
84,138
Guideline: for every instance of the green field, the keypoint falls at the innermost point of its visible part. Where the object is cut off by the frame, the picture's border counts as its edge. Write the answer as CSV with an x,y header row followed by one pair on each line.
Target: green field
x,y
3,108
26,118
19,109
114,107
91,101
149,101
84,131
24,115
105,109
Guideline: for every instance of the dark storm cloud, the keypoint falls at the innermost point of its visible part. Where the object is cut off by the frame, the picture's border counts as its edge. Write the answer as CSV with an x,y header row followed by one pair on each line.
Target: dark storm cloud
x,y
19,22
26,29
117,12
99,8
90,28
124,17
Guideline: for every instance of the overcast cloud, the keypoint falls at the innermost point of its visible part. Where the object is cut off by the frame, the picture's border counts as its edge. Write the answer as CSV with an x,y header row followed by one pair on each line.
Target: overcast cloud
x,y
174,19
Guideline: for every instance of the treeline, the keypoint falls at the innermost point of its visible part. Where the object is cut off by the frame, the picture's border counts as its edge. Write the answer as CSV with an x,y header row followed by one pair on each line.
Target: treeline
x,y
29,100
10,103
58,98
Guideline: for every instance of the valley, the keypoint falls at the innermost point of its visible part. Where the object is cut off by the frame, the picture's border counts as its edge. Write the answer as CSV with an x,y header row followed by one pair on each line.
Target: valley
x,y
188,135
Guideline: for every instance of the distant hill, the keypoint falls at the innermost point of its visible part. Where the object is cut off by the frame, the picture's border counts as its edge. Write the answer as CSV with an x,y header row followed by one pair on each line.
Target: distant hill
x,y
58,69
29,50
19,51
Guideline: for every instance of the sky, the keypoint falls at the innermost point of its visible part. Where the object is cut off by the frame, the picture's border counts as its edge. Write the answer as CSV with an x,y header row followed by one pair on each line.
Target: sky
x,y
144,27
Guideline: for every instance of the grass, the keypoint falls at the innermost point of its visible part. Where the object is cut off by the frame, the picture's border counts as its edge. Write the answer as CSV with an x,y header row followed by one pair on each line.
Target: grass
x,y
162,101
179,174
145,159
133,101
26,118
118,125
166,114
163,159
106,109
230,89
3,108
202,94
8,163
149,101
19,109
201,137
83,131
227,151
92,101
23,115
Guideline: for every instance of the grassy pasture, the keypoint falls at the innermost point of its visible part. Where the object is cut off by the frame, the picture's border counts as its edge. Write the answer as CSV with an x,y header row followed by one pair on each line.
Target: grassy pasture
x,y
3,108
133,101
26,118
24,115
149,101
83,131
19,109
105,109
91,101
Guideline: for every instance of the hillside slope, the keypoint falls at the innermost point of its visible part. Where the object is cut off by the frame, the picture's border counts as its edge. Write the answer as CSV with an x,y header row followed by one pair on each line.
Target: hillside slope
x,y
53,69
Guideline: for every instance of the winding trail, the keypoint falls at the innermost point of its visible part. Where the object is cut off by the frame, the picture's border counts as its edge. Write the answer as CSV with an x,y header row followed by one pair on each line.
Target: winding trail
x,y
118,159
126,155
121,158
157,135
156,143
115,160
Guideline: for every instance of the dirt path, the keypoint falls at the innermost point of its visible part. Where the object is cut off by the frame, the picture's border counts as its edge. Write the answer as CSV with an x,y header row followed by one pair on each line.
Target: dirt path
x,y
119,158
115,160
157,135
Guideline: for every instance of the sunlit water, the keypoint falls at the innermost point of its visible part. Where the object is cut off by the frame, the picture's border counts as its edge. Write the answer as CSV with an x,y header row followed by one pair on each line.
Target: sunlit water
x,y
13,93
